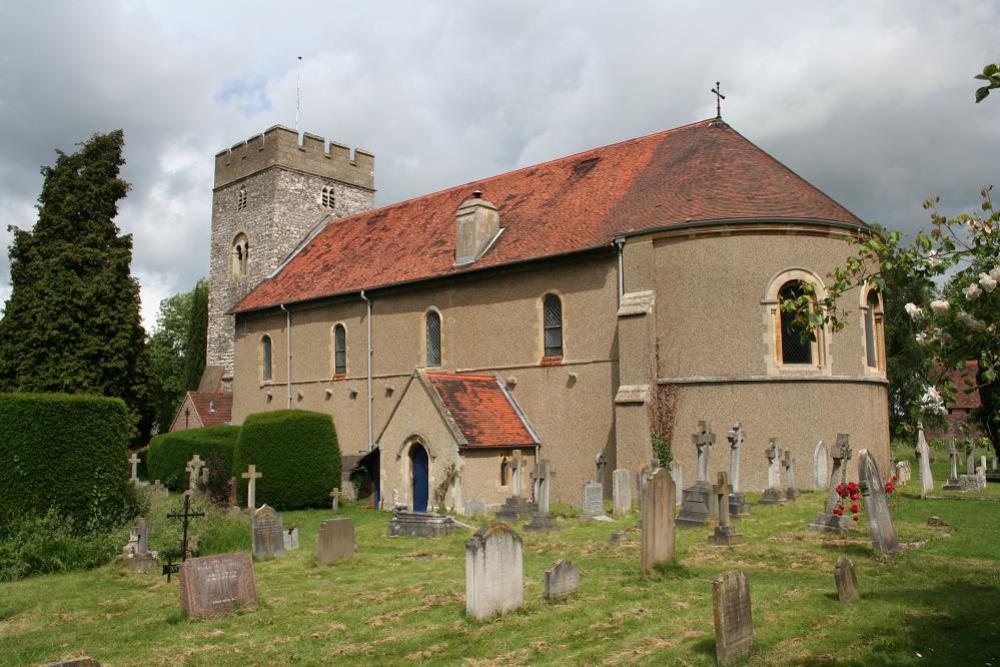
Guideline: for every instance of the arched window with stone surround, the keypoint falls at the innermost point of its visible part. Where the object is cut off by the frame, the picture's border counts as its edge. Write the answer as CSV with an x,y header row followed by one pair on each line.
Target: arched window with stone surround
x,y
794,350
552,326
339,349
432,327
239,256
874,356
266,370
504,471
788,353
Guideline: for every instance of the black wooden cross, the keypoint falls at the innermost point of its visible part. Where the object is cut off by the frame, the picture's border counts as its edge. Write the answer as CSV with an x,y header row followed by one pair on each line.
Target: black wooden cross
x,y
718,100
171,567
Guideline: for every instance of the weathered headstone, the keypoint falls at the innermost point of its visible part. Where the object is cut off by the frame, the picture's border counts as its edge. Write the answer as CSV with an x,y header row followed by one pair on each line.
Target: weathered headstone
x,y
621,491
994,466
732,614
738,505
268,538
233,492
335,500
593,499
677,474
193,468
924,459
982,462
821,467
847,580
791,493
419,524
134,464
699,501
773,494
541,521
724,535
600,462
216,585
658,527
251,475
872,486
136,553
975,482
159,489
970,457
952,484
826,520
291,537
562,579
335,540
645,472
475,508
516,506
903,472
494,571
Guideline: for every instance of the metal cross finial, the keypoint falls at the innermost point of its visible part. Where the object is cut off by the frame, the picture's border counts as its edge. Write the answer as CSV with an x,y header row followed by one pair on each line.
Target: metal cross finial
x,y
718,100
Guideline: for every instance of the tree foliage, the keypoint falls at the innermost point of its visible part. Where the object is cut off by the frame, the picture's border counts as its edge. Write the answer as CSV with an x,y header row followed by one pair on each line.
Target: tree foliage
x,y
991,75
72,322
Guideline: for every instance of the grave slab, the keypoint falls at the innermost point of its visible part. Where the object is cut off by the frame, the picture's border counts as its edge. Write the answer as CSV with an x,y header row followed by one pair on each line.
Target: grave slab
x,y
419,524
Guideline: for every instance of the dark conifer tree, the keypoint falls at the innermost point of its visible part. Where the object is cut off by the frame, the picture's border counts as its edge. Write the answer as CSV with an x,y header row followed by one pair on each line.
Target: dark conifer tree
x,y
197,335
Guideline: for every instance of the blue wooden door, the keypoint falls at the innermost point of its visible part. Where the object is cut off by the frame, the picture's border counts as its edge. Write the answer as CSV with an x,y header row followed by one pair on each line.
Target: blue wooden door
x,y
418,472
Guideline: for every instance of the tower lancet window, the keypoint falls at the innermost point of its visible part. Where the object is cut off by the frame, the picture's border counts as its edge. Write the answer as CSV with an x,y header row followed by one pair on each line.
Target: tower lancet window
x,y
239,256
327,198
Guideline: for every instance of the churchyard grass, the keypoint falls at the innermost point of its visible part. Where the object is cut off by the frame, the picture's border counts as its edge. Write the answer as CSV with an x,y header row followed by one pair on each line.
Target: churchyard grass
x,y
400,600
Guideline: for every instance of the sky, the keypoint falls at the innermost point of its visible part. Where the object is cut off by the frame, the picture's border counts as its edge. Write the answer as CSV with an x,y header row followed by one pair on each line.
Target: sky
x,y
870,101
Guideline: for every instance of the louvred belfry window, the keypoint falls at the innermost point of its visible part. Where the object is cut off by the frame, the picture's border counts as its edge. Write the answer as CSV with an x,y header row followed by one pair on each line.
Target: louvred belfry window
x,y
553,326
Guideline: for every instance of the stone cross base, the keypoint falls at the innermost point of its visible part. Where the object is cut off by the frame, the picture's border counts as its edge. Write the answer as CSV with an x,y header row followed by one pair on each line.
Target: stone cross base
x,y
420,524
541,524
772,496
698,504
738,506
952,484
515,508
828,522
725,536
791,494
142,563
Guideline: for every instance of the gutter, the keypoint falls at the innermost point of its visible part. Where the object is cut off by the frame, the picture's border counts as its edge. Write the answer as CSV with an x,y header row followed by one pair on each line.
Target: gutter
x,y
288,353
371,395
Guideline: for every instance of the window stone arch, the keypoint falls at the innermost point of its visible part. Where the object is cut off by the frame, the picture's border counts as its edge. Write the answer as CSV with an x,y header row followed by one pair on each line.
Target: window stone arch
x,y
780,357
239,256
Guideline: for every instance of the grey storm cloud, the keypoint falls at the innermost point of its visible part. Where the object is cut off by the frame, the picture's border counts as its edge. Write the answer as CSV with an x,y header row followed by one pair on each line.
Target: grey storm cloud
x,y
871,101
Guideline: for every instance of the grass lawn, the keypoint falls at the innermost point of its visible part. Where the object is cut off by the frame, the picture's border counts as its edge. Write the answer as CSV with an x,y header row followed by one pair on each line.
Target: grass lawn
x,y
401,600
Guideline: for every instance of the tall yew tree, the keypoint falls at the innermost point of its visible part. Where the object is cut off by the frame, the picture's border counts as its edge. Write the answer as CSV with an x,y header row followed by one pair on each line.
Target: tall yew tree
x,y
72,321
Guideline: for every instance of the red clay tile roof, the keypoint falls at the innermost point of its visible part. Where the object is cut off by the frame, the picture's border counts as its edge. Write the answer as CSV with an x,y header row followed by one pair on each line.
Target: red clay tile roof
x,y
223,413
964,398
692,173
484,413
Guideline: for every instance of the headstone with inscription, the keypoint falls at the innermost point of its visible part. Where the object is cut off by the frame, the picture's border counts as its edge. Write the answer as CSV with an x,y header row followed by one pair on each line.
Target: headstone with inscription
x,y
732,616
699,501
621,491
494,571
738,505
475,508
217,585
291,537
903,472
335,540
883,533
136,554
773,494
821,467
562,579
268,538
593,499
658,527
847,580
827,521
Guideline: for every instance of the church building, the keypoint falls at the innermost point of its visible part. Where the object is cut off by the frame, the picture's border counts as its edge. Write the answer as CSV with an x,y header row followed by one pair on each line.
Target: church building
x,y
565,311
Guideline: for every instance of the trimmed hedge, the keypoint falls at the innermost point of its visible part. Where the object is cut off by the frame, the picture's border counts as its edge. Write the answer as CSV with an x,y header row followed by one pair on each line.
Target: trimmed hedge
x,y
169,452
297,453
68,454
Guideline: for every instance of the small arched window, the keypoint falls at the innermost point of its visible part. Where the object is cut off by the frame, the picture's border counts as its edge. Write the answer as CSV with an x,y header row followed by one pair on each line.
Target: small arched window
x,y
339,350
433,331
239,256
241,199
873,328
265,359
552,326
504,471
794,350
327,198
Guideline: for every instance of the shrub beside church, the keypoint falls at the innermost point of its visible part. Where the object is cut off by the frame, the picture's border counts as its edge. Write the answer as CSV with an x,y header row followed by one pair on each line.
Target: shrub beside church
x,y
169,453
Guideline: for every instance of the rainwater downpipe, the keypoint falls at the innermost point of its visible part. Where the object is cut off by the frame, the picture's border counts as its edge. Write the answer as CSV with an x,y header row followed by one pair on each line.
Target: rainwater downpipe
x,y
288,353
620,245
371,396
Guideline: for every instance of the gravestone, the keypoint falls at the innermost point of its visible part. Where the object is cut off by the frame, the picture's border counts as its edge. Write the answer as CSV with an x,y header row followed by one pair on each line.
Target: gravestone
x,y
872,486
134,464
621,491
136,554
291,537
494,571
924,461
541,521
826,520
725,535
600,462
217,585
475,508
335,500
738,505
516,507
593,499
561,580
658,527
952,484
970,457
233,493
994,466
251,475
699,501
903,472
821,467
268,538
773,494
158,489
677,474
645,472
847,580
732,615
419,524
193,467
335,540
791,493
975,482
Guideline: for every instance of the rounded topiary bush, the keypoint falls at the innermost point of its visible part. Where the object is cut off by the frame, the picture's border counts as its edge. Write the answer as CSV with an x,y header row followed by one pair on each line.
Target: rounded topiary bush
x,y
65,453
169,453
297,453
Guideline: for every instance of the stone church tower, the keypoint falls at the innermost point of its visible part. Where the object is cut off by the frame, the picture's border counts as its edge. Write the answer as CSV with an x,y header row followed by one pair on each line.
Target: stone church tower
x,y
270,192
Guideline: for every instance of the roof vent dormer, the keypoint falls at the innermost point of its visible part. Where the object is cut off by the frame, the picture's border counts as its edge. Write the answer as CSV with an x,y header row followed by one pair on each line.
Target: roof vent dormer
x,y
477,225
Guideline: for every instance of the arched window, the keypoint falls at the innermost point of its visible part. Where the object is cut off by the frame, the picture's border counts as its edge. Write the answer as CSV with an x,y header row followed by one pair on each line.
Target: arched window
x,y
339,349
241,199
794,350
552,326
873,329
504,471
265,359
433,329
239,256
326,197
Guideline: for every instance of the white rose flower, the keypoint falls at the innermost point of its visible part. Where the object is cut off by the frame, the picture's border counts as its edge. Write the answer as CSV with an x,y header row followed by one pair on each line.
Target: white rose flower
x,y
970,321
913,310
972,292
922,338
987,283
932,401
940,306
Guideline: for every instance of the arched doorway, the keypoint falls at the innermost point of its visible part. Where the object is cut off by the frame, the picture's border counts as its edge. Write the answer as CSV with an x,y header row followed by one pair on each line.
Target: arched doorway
x,y
418,476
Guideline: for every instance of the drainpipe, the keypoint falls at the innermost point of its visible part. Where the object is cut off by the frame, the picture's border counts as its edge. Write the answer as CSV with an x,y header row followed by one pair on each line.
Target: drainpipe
x,y
371,396
620,245
288,353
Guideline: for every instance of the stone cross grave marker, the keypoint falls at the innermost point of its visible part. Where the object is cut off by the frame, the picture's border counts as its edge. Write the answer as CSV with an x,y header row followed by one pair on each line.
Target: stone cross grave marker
x,y
952,483
735,436
924,461
335,499
335,540
593,499
159,489
621,487
876,506
847,580
699,501
725,535
732,615
773,493
601,463
542,476
134,462
494,571
826,520
821,467
268,538
251,475
193,467
517,466
791,493
561,580
217,585
658,524
703,441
